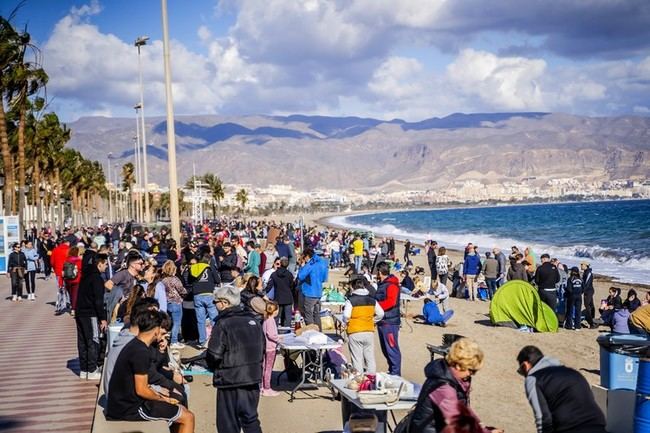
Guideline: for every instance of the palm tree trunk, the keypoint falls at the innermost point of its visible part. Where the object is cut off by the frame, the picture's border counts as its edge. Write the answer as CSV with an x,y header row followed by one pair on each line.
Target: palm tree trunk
x,y
21,166
7,161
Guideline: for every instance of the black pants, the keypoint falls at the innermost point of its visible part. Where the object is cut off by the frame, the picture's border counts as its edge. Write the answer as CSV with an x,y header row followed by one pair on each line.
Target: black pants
x,y
47,266
30,281
285,315
573,312
549,297
87,343
434,271
237,409
590,309
16,284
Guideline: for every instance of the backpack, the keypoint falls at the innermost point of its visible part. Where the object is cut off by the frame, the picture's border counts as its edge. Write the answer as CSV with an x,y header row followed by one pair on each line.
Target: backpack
x,y
70,271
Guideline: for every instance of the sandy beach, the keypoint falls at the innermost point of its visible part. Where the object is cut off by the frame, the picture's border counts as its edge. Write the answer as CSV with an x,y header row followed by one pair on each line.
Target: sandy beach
x,y
497,396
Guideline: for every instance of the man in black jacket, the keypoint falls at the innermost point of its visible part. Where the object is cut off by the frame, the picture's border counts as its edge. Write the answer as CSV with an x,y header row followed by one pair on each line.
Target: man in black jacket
x,y
90,317
227,262
235,354
431,259
546,277
560,397
588,291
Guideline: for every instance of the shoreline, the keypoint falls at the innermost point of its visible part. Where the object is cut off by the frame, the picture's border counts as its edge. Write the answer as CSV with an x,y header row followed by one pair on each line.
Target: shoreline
x,y
325,221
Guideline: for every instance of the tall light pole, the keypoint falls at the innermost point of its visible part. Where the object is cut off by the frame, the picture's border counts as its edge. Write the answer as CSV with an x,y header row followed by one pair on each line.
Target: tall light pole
x,y
138,165
108,166
139,42
171,133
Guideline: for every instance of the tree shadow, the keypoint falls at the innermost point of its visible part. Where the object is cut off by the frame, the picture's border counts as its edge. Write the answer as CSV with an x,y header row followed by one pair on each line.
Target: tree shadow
x,y
9,424
73,366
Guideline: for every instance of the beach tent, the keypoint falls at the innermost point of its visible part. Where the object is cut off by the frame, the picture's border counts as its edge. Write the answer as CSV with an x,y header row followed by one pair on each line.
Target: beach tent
x,y
517,303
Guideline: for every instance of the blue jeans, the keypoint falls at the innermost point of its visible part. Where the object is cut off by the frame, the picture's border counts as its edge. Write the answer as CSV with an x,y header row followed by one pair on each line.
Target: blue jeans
x,y
357,263
492,286
176,311
204,307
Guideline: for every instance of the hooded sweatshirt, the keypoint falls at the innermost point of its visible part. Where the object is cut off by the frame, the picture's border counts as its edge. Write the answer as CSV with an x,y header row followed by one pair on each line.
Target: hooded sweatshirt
x,y
561,399
388,294
114,351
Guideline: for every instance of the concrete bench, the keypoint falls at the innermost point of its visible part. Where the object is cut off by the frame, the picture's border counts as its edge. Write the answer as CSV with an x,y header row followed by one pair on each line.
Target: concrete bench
x,y
102,425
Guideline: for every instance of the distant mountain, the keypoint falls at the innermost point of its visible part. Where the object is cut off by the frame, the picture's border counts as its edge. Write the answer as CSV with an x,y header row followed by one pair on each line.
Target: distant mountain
x,y
362,153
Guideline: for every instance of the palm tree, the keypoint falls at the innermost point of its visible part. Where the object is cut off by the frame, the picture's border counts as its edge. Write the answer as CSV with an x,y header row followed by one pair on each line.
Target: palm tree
x,y
128,180
217,193
24,79
10,42
242,198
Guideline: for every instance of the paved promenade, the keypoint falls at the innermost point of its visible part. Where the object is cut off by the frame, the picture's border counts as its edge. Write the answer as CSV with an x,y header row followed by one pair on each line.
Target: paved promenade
x,y
40,390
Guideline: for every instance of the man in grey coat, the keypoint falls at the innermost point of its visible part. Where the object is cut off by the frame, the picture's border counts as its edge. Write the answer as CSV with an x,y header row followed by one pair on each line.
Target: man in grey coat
x,y
501,259
491,272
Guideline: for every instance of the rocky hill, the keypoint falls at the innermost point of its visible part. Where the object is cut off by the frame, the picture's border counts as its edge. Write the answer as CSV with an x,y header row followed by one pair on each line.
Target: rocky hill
x,y
367,154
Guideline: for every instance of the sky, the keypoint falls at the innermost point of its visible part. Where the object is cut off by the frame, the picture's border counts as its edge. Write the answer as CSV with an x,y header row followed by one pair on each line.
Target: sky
x,y
407,59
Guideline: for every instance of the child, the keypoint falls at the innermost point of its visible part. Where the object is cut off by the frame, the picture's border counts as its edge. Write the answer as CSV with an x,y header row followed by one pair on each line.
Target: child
x,y
441,293
272,340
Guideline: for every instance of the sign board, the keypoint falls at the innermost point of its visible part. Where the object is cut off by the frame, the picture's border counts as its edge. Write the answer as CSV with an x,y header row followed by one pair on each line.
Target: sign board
x,y
9,233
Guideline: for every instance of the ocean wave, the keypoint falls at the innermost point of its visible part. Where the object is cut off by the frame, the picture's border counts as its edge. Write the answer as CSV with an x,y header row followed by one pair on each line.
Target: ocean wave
x,y
623,264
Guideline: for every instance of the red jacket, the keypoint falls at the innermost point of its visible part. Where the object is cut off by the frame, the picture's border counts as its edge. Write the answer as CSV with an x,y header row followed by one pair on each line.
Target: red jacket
x,y
58,257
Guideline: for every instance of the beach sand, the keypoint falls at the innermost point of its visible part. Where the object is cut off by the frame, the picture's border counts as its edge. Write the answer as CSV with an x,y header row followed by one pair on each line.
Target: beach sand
x,y
497,391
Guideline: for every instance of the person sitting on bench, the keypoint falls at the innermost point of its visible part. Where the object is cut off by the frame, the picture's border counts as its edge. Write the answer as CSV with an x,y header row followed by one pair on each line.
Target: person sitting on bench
x,y
130,398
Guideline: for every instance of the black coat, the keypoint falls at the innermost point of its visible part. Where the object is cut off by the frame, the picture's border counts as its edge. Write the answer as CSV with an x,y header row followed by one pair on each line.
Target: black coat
x,y
226,266
236,349
547,276
283,283
17,260
90,298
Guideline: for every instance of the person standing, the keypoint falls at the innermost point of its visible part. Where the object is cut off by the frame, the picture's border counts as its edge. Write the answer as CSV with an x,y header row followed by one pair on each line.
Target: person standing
x,y
442,265
45,246
588,290
204,277
311,277
281,284
71,279
58,257
31,254
501,259
17,268
388,297
407,252
360,313
471,269
546,277
357,251
560,397
254,259
491,272
431,259
237,366
174,291
572,316
270,328
91,317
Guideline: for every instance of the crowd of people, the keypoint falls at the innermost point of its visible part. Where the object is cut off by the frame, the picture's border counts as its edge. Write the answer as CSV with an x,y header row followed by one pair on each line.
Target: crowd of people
x,y
243,281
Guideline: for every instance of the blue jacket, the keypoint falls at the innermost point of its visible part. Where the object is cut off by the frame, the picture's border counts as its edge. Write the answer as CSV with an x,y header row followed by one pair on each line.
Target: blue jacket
x,y
472,265
432,314
32,258
312,276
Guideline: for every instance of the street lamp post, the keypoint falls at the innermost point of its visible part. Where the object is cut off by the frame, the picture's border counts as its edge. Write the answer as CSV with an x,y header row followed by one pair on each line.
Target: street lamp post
x,y
138,177
139,42
41,196
108,184
171,134
2,192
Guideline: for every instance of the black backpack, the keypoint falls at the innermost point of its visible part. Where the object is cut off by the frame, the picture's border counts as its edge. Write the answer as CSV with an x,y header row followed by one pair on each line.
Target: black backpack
x,y
70,271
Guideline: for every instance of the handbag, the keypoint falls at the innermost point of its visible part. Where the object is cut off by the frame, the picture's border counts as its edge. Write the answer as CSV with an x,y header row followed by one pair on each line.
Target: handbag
x,y
20,271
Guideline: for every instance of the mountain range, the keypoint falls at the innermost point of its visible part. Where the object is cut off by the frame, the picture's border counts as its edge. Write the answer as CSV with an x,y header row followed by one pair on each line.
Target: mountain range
x,y
367,154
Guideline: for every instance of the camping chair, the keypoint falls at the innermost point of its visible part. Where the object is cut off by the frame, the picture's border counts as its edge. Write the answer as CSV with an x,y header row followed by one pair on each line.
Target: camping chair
x,y
442,350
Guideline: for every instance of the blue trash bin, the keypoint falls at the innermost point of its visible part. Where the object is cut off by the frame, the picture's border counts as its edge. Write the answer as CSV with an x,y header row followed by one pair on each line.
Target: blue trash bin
x,y
619,359
642,406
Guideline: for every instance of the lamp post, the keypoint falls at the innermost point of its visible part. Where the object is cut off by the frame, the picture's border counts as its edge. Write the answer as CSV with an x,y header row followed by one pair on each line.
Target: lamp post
x,y
41,196
139,42
61,214
138,177
171,134
108,184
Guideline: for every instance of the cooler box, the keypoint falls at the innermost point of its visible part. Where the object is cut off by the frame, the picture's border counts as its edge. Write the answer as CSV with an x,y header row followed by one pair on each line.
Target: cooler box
x,y
619,359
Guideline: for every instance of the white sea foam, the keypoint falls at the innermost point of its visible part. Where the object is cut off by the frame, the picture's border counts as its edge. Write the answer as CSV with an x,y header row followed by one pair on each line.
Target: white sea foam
x,y
620,264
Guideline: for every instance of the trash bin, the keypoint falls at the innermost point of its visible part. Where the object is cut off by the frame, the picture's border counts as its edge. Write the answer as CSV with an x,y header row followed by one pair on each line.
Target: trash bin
x,y
642,406
619,359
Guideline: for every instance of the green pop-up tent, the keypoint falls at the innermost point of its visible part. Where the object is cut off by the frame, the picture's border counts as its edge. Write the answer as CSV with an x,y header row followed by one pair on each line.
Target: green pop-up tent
x,y
517,303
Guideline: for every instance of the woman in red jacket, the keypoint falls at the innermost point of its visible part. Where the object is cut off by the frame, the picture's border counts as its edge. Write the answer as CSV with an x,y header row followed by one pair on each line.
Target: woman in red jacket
x,y
72,284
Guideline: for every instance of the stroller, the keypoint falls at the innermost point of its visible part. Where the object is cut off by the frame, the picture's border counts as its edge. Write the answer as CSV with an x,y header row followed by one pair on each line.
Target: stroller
x,y
62,301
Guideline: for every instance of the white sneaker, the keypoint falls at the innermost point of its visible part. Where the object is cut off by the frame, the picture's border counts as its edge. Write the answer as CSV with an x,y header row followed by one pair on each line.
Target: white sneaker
x,y
83,375
94,375
14,298
177,346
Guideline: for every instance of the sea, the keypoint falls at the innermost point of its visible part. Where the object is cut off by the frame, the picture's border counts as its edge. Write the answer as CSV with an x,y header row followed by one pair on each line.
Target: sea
x,y
614,236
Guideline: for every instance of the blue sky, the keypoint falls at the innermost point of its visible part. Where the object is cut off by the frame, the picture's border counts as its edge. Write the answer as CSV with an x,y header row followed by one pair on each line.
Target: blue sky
x,y
411,59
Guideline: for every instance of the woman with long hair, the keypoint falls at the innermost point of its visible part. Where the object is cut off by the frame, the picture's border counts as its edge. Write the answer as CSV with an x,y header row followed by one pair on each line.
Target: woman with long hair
x,y
174,292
